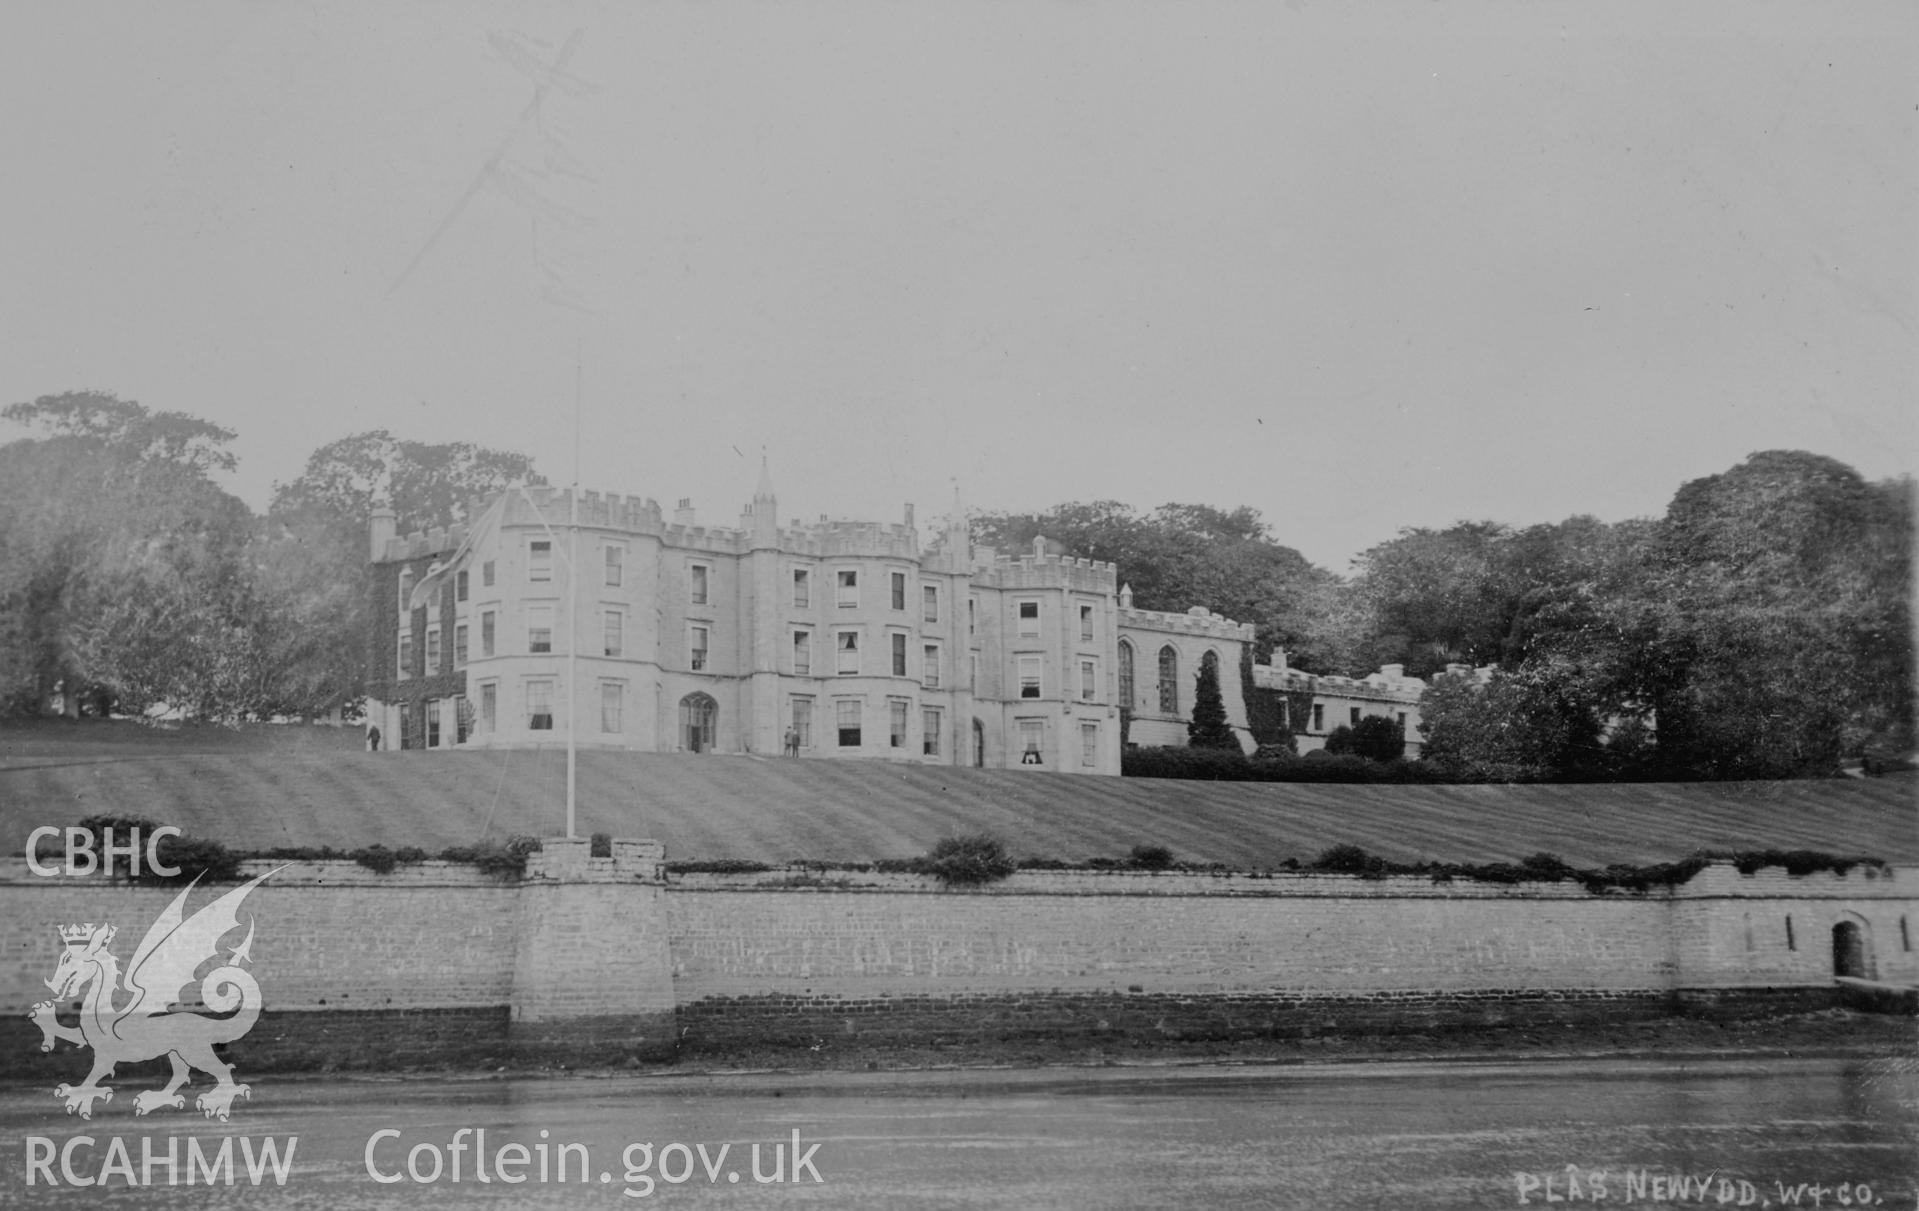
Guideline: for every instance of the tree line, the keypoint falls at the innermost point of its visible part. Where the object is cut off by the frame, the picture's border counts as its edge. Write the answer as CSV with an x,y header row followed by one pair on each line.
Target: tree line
x,y
130,580
1760,628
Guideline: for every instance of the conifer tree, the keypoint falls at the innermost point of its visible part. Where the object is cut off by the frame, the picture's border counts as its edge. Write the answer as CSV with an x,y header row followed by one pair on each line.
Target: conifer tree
x,y
1209,728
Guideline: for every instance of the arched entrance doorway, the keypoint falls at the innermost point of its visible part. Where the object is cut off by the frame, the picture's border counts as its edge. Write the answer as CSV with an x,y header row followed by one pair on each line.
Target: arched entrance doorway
x,y
979,745
698,715
1851,956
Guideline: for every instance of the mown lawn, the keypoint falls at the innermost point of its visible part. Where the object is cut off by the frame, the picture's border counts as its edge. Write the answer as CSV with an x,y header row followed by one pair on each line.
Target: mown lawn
x,y
310,786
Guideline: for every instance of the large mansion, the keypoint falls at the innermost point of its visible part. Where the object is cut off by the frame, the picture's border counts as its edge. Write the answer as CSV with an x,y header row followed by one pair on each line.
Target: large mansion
x,y
848,639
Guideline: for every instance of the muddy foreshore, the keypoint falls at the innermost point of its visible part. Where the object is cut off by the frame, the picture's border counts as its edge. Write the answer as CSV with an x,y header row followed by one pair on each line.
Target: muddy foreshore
x,y
1833,1033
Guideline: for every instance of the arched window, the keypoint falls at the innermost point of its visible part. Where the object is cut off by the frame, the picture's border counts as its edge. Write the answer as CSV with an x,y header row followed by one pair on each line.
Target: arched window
x,y
1850,954
698,714
1168,680
1126,699
979,744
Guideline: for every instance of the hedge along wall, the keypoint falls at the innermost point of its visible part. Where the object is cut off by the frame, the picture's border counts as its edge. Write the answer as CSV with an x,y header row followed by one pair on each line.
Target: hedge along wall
x,y
790,956
1097,953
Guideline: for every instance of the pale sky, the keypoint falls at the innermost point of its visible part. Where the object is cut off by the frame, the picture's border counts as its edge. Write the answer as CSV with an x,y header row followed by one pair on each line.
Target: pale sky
x,y
1359,266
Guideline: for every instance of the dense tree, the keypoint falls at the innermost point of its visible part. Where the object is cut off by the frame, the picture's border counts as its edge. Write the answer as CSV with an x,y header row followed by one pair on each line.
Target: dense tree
x,y
125,567
312,561
1182,555
424,483
1761,628
127,576
1778,619
1538,722
137,438
1482,593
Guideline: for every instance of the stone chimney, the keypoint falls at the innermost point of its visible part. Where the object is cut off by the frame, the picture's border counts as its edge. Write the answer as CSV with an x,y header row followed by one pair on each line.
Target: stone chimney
x,y
684,515
1393,672
385,527
909,514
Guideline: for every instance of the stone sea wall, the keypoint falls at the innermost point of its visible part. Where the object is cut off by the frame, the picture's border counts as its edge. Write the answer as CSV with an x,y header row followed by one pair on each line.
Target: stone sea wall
x,y
612,957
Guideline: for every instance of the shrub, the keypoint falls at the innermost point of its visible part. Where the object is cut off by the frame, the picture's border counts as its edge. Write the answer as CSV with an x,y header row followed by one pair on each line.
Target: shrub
x,y
969,861
718,866
506,857
1549,868
1795,861
1202,764
1351,860
304,853
1150,857
1879,765
1036,863
1644,878
195,857
1269,766
376,858
1378,738
122,827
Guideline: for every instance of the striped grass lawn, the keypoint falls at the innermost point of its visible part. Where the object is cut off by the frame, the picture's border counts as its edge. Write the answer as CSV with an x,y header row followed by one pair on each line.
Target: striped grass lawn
x,y
314,786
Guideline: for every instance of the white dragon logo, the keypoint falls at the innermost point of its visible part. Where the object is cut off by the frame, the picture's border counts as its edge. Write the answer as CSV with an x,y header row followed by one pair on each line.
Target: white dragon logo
x,y
147,1025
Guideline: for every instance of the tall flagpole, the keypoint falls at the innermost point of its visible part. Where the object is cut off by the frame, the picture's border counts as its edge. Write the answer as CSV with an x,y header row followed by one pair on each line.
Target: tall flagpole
x,y
573,610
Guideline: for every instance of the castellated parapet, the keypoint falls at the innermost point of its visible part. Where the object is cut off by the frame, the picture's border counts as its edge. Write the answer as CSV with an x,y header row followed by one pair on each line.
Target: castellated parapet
x,y
422,544
636,515
1044,571
1197,621
1338,701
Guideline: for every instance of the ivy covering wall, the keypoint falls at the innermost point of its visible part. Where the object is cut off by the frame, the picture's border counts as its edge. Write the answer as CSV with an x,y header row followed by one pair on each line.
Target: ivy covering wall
x,y
412,692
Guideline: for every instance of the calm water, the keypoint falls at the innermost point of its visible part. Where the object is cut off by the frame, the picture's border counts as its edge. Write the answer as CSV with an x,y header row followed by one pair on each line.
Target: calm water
x,y
1335,1136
